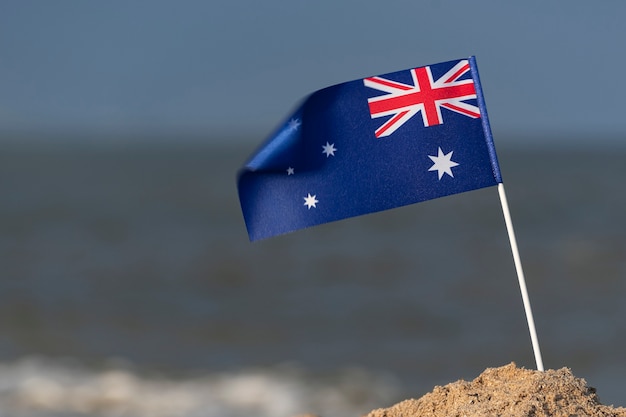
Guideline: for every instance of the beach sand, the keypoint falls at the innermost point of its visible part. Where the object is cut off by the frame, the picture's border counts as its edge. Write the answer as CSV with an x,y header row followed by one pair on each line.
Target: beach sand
x,y
508,391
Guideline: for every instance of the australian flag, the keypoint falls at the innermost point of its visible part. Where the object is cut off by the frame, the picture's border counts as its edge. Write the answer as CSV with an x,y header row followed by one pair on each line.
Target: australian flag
x,y
370,145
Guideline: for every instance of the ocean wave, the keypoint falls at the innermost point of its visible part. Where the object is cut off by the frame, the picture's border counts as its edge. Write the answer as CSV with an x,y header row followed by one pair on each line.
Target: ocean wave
x,y
36,387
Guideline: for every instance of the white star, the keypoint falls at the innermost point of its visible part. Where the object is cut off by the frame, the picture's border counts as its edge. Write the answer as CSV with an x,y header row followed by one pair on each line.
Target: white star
x,y
310,201
294,124
329,149
290,171
442,163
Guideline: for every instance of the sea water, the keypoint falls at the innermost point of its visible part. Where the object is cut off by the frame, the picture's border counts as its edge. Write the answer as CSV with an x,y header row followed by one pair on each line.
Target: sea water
x,y
128,285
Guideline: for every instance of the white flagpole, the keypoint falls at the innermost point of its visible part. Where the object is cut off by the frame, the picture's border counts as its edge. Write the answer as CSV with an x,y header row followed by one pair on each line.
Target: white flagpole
x,y
520,276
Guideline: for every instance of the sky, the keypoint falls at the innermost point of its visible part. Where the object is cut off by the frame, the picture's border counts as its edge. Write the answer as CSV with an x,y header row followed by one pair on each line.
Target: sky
x,y
226,69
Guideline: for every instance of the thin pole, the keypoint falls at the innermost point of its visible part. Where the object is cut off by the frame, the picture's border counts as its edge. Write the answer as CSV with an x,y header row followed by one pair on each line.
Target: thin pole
x,y
520,276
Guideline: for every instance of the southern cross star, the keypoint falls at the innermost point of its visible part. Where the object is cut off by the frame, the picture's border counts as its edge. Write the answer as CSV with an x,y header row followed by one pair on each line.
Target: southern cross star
x,y
442,163
329,149
290,171
294,124
310,201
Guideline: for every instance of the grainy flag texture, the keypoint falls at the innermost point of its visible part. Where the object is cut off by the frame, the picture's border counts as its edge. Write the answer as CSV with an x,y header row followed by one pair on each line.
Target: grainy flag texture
x,y
369,145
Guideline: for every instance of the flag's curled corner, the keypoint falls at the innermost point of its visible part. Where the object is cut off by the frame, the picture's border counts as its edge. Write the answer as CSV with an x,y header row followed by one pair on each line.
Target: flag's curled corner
x,y
369,145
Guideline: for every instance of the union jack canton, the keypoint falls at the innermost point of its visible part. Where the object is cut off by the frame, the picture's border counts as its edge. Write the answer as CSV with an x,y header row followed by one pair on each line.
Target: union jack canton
x,y
425,95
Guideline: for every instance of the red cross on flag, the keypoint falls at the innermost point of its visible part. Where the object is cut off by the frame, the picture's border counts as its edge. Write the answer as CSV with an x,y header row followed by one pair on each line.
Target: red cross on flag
x,y
426,95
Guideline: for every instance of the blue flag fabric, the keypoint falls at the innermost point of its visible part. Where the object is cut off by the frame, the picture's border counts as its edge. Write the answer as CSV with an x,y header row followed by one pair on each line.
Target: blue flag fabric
x,y
370,145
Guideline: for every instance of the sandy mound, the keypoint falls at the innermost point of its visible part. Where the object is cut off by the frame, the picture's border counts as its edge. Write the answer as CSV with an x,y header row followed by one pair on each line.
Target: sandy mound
x,y
508,391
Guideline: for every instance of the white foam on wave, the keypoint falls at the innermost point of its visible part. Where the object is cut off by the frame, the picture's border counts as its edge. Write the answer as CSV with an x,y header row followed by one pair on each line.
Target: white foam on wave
x,y
41,387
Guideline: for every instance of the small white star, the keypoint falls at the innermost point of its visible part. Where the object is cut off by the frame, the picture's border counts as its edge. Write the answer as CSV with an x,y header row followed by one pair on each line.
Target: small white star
x,y
294,124
442,163
290,171
329,149
310,201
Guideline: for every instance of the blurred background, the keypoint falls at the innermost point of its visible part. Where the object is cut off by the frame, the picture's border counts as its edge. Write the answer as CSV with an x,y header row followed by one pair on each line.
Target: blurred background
x,y
128,286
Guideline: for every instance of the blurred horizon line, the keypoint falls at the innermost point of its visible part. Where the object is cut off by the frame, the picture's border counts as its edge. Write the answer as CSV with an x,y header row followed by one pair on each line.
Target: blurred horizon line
x,y
251,137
